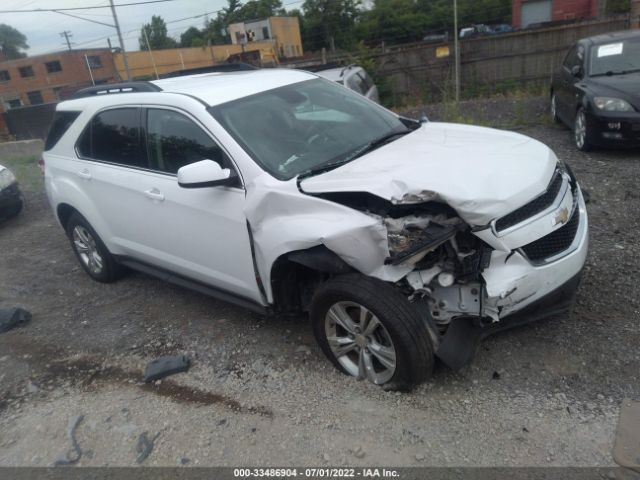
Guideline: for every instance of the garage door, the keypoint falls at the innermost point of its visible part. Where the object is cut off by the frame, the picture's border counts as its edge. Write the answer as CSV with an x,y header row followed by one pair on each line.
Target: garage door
x,y
535,12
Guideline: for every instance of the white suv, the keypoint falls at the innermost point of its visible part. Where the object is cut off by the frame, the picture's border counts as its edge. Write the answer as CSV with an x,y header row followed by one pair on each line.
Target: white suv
x,y
286,193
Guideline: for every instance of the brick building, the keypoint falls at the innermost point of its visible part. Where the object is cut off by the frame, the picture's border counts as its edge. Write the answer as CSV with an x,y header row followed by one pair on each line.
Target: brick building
x,y
49,78
531,12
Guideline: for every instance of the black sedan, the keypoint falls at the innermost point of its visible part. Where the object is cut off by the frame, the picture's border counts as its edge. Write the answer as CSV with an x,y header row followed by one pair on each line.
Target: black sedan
x,y
10,196
596,92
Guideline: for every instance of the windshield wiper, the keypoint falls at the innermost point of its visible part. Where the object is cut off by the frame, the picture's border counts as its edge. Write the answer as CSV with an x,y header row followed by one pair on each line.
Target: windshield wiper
x,y
610,73
364,149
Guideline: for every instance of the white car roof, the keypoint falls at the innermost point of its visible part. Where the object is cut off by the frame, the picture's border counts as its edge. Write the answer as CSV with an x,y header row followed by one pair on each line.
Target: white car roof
x,y
211,88
216,88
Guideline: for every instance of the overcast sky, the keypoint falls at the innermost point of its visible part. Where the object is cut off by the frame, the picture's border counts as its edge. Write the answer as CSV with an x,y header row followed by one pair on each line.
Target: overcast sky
x,y
43,28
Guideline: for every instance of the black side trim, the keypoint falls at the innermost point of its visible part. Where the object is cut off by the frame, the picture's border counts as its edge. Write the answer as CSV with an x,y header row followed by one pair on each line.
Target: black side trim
x,y
193,285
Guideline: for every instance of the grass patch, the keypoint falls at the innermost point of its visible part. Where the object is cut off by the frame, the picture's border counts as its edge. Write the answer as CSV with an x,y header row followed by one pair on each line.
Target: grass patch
x,y
26,171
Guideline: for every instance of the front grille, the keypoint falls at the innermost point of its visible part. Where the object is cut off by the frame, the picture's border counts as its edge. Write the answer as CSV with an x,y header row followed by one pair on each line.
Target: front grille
x,y
556,242
534,207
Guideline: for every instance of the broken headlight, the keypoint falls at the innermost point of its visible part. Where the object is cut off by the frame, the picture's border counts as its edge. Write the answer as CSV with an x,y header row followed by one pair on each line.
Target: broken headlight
x,y
411,238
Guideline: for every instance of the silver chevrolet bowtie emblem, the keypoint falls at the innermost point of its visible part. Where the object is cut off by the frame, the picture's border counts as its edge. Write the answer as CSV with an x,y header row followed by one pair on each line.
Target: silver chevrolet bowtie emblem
x,y
561,216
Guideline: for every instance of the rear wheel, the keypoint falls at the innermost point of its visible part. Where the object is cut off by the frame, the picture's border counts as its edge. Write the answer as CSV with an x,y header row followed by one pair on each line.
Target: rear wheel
x,y
91,252
370,331
581,134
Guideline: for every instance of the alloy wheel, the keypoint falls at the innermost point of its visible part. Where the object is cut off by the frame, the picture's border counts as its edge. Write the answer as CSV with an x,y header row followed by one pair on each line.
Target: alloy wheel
x,y
87,250
360,342
580,129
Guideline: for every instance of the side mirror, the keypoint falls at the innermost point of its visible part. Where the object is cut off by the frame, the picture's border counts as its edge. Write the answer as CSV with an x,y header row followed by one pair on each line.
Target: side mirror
x,y
206,173
576,71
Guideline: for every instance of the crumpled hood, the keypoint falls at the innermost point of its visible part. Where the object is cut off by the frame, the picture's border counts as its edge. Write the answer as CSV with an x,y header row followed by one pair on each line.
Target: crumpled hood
x,y
482,173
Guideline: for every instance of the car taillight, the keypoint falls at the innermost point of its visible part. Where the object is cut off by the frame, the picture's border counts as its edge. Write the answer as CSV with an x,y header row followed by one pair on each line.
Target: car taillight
x,y
41,165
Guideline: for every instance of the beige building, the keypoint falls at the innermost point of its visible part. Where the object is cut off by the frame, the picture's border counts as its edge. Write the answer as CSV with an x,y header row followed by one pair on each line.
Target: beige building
x,y
283,32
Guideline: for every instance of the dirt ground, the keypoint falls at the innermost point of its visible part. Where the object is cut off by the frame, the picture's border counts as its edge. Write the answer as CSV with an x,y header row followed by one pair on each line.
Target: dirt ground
x,y
259,391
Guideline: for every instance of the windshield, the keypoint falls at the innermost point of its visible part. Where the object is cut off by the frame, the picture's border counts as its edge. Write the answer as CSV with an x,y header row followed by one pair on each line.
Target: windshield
x,y
305,126
617,57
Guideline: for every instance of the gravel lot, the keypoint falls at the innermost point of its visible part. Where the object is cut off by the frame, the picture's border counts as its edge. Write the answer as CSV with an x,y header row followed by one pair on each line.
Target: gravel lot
x,y
260,392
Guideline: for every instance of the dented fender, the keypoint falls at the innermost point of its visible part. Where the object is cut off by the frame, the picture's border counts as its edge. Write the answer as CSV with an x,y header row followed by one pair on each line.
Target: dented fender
x,y
282,220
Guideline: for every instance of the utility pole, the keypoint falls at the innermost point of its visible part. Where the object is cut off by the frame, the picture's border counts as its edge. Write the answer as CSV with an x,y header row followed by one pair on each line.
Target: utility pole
x,y
67,34
124,52
153,61
456,48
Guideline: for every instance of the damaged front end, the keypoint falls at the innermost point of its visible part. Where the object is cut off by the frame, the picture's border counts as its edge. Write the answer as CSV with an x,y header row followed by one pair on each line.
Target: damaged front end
x,y
468,282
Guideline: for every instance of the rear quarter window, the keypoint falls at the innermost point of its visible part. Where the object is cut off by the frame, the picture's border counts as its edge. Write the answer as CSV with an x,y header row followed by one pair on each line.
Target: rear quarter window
x,y
61,122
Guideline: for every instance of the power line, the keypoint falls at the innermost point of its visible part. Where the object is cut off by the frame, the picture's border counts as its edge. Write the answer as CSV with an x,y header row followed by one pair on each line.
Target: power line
x,y
36,10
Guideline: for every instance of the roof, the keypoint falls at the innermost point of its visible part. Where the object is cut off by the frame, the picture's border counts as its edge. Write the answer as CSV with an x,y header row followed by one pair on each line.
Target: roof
x,y
612,37
216,88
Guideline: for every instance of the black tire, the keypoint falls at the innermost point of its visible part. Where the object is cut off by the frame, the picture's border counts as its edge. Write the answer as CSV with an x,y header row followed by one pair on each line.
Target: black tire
x,y
585,144
109,270
414,359
553,107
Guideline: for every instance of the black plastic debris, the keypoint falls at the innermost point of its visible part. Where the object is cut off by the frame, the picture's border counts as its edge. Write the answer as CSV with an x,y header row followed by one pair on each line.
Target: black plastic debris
x,y
164,366
12,317
145,446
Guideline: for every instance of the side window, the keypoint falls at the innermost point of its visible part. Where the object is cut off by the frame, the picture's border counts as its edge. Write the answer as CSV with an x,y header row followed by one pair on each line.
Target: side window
x,y
114,136
570,59
173,141
580,56
355,83
366,80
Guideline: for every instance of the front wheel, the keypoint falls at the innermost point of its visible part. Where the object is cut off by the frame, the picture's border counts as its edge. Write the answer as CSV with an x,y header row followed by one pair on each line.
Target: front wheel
x,y
581,133
370,331
553,108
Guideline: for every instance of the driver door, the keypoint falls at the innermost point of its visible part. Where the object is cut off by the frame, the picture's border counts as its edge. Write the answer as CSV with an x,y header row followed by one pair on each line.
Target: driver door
x,y
200,233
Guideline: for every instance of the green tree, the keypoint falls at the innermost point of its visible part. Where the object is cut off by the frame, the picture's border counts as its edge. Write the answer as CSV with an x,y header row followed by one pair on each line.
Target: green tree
x,y
393,21
327,19
192,37
157,34
12,42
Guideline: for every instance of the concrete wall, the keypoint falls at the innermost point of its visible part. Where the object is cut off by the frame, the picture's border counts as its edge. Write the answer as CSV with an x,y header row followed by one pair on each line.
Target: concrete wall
x,y
24,148
167,61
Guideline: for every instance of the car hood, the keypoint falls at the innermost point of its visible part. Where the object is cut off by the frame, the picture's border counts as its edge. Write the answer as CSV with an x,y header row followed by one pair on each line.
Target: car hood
x,y
625,86
482,173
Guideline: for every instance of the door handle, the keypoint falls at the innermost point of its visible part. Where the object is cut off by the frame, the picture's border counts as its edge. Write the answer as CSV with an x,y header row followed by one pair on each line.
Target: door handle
x,y
154,194
84,173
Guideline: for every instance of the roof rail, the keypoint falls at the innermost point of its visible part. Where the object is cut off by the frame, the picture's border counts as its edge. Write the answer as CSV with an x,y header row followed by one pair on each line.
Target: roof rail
x,y
110,88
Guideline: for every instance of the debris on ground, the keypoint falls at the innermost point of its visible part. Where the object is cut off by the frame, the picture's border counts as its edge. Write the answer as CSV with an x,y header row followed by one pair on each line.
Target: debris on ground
x,y
12,317
145,446
164,366
74,454
626,450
